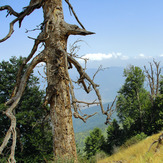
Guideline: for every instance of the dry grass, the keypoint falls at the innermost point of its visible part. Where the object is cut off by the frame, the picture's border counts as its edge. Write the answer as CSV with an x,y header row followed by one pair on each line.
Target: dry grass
x,y
138,153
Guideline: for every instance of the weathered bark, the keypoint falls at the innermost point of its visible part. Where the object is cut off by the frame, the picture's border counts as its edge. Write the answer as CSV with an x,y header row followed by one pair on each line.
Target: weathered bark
x,y
57,31
58,84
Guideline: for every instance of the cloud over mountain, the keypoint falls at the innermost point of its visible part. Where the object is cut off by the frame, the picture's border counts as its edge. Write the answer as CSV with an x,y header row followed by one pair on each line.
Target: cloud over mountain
x,y
119,59
102,56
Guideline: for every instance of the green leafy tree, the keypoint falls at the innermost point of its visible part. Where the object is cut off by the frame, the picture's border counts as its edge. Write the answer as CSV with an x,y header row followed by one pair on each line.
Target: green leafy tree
x,y
133,100
34,136
155,112
161,85
94,143
155,116
115,136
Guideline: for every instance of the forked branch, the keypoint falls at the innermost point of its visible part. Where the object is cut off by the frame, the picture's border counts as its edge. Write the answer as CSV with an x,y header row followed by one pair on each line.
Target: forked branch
x,y
19,16
84,75
10,11
26,60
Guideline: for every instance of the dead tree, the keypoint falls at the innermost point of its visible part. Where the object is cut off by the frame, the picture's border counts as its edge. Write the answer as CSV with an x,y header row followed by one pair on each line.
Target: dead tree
x,y
54,32
153,79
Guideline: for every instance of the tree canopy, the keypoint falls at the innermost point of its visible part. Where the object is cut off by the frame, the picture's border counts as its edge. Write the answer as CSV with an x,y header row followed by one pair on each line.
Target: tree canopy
x,y
94,143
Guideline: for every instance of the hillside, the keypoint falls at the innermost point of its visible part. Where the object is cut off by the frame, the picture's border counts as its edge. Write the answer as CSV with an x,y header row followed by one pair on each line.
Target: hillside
x,y
138,153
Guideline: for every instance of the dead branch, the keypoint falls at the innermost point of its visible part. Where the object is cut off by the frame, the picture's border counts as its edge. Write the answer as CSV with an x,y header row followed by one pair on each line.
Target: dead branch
x,y
152,79
85,76
71,9
19,74
10,11
158,141
14,102
88,103
75,106
74,48
20,16
84,117
158,72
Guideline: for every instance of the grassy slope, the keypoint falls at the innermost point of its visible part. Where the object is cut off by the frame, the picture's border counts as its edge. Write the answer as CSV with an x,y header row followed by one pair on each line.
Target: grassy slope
x,y
138,153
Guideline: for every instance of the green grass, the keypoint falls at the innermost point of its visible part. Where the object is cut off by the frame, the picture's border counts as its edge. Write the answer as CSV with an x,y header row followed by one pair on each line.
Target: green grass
x,y
138,153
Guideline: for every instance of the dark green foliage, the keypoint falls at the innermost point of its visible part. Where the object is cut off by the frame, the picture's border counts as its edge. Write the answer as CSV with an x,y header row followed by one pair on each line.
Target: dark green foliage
x,y
34,138
94,143
115,136
139,116
155,113
133,102
135,109
161,85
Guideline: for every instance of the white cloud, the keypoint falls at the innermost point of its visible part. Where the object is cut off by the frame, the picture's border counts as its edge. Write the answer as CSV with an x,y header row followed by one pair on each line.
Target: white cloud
x,y
117,59
124,57
102,56
97,56
142,56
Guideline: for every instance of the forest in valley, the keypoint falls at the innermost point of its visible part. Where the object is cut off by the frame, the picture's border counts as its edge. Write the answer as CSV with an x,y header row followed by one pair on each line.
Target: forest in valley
x,y
138,114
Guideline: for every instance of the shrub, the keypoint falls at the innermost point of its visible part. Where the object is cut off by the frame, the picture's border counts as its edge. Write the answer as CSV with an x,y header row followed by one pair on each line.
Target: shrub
x,y
94,143
135,139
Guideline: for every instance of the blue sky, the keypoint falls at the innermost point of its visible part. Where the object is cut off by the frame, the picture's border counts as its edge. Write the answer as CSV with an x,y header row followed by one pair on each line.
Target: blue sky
x,y
127,31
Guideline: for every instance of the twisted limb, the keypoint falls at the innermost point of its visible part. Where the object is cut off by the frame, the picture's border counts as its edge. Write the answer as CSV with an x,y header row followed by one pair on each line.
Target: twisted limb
x,y
14,102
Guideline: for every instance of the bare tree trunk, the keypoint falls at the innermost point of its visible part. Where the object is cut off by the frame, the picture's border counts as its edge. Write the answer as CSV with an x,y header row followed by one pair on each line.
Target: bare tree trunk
x,y
58,81
60,107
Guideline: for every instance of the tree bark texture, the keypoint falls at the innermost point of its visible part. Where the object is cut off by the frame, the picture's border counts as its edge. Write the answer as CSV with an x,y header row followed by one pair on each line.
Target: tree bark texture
x,y
58,82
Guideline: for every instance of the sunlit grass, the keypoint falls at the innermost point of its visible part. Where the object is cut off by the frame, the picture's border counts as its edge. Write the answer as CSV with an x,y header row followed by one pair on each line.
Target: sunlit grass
x,y
138,153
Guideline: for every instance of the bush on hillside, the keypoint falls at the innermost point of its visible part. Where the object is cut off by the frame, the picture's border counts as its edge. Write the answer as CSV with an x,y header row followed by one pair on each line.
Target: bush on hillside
x,y
135,139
